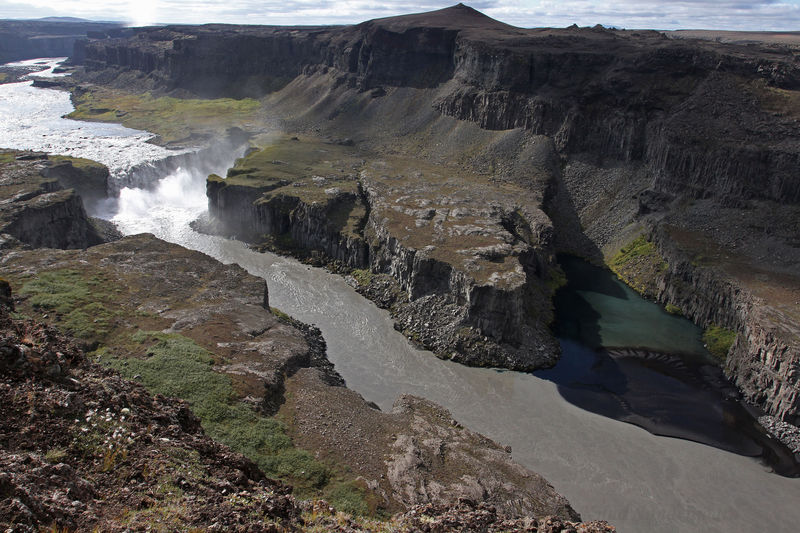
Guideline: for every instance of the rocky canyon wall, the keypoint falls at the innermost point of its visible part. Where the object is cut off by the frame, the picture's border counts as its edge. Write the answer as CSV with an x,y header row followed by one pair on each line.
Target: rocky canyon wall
x,y
701,119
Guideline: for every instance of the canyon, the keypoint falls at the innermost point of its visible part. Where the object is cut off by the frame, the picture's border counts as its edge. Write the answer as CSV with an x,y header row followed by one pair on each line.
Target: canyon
x,y
440,162
570,140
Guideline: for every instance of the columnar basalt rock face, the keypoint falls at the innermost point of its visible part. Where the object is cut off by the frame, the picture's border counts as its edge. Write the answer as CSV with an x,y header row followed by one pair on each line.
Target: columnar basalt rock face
x,y
31,39
764,361
632,96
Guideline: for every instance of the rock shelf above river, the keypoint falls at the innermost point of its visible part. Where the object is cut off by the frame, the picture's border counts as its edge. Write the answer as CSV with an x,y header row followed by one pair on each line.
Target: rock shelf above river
x,y
467,260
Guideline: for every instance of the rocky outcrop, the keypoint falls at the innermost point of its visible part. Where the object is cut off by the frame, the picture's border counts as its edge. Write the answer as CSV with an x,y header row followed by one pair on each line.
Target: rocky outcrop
x,y
35,208
493,318
88,180
302,227
466,268
417,454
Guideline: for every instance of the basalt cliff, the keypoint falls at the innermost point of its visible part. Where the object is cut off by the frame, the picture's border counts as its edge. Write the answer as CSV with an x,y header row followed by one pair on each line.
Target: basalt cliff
x,y
443,159
31,39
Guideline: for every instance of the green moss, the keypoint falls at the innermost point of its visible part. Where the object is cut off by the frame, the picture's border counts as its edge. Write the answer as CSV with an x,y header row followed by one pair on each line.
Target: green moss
x,y
556,279
3,77
718,340
673,309
280,314
55,455
79,301
639,264
173,119
78,162
362,276
640,248
7,156
176,366
348,497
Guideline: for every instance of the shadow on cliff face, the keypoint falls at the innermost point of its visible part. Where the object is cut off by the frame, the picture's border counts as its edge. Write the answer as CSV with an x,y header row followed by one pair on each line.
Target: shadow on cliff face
x,y
670,394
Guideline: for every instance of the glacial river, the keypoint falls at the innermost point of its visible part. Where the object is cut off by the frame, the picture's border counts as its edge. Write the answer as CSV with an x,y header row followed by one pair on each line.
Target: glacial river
x,y
607,469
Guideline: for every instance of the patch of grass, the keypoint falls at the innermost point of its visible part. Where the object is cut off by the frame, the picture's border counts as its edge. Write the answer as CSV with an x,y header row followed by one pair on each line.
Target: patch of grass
x,y
280,314
348,497
55,455
7,156
639,264
640,248
176,366
78,162
3,76
173,119
718,340
77,299
673,309
362,276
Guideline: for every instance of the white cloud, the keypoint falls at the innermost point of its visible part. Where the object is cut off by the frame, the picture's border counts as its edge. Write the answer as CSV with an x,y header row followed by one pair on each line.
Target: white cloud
x,y
723,14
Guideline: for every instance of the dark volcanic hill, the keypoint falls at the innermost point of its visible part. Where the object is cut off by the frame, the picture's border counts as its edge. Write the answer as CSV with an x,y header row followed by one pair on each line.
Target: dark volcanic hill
x,y
489,148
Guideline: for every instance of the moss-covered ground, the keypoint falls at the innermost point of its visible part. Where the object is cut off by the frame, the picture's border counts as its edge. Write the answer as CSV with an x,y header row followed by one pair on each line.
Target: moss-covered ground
x,y
81,304
78,162
174,120
174,365
639,264
718,341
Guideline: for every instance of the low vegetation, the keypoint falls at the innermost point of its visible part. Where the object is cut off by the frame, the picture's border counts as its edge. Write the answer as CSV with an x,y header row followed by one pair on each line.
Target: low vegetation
x,y
173,119
79,301
718,340
174,365
7,156
362,276
78,162
639,264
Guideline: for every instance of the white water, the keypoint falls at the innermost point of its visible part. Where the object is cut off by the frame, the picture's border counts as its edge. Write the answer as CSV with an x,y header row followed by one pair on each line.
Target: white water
x,y
608,469
32,120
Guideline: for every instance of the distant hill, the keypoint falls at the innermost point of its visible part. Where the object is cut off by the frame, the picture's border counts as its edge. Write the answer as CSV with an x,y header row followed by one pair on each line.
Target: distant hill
x,y
62,19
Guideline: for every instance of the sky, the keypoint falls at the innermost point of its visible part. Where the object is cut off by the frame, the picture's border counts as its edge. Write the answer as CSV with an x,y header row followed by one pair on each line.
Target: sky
x,y
755,15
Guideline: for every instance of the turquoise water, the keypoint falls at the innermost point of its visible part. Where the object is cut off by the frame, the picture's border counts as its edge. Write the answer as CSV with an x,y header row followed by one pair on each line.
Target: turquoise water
x,y
626,358
600,311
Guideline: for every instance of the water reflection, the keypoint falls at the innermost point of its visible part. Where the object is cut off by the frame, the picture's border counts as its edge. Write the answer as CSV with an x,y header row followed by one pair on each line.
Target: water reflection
x,y
656,375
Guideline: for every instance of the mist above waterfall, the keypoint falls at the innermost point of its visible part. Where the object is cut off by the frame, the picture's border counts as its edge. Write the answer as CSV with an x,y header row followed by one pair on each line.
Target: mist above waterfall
x,y
165,205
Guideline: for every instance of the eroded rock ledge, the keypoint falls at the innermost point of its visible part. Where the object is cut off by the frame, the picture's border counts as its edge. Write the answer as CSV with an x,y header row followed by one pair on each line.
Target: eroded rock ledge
x,y
40,200
465,267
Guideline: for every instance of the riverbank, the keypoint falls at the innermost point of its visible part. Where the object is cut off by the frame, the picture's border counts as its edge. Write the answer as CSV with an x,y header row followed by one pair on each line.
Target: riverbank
x,y
85,449
185,325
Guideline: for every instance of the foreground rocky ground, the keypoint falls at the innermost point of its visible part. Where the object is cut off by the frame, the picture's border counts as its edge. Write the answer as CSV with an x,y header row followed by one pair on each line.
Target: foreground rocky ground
x,y
184,325
84,449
